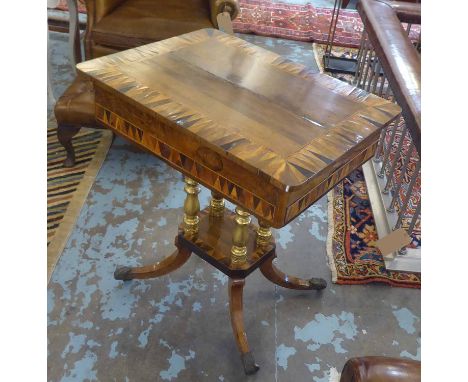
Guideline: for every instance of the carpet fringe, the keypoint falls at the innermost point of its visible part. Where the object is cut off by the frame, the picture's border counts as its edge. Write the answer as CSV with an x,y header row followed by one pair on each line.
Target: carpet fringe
x,y
330,234
318,59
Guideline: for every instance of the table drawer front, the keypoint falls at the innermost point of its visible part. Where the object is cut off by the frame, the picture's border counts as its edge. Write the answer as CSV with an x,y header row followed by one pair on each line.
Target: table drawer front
x,y
202,167
209,158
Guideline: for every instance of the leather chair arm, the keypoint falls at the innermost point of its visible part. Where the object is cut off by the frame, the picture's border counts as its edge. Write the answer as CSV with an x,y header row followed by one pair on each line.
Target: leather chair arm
x,y
381,369
219,6
74,38
97,9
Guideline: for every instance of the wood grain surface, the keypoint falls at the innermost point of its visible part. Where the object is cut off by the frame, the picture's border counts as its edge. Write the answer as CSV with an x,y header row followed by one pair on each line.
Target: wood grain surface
x,y
263,131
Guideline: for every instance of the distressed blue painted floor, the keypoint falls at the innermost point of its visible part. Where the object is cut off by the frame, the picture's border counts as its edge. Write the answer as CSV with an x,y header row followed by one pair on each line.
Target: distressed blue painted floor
x,y
176,327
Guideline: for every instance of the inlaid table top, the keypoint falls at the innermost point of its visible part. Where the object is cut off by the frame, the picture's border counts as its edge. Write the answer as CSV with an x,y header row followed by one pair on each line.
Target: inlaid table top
x,y
267,133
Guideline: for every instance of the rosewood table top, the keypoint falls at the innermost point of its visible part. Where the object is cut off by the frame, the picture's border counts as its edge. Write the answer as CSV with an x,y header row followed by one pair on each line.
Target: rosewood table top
x,y
265,132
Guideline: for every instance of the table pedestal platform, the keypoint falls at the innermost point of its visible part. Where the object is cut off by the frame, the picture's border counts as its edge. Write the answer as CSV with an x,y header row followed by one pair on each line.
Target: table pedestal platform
x,y
232,244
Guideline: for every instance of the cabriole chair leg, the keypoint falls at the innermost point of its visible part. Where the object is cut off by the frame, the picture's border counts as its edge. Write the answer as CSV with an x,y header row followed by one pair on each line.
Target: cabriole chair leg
x,y
65,133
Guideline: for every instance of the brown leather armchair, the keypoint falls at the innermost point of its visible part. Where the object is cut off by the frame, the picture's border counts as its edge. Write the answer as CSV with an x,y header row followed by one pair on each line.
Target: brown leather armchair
x,y
381,369
115,25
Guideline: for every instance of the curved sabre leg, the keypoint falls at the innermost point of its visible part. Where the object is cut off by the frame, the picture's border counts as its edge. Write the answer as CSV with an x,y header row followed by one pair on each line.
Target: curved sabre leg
x,y
165,266
272,273
236,287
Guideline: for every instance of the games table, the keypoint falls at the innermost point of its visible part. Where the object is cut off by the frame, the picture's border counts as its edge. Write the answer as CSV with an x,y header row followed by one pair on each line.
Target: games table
x,y
255,128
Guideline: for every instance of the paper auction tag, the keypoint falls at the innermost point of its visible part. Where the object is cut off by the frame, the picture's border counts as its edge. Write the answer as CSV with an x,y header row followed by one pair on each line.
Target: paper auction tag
x,y
225,23
393,241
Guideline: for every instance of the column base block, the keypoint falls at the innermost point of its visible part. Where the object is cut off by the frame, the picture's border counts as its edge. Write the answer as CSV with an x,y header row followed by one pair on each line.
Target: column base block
x,y
214,241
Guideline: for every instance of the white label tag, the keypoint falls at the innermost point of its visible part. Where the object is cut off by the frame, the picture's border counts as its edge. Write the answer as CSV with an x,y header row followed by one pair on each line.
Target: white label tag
x,y
393,241
225,23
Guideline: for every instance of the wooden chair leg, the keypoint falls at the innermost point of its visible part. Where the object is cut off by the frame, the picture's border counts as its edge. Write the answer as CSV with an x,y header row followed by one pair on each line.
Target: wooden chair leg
x,y
236,287
167,265
272,273
65,133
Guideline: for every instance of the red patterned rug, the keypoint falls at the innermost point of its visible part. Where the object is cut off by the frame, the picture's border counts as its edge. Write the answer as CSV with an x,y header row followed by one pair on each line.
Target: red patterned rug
x,y
302,22
352,257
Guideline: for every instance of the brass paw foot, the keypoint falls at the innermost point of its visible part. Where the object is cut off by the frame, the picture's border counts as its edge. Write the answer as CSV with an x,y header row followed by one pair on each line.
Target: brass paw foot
x,y
275,275
317,283
123,273
250,367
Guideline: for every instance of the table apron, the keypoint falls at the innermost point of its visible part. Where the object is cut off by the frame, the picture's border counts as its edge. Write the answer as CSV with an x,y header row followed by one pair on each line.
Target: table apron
x,y
190,157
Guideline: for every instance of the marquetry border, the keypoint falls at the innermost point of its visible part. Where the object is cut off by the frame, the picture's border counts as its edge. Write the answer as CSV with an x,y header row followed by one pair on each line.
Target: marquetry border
x,y
303,203
284,172
178,160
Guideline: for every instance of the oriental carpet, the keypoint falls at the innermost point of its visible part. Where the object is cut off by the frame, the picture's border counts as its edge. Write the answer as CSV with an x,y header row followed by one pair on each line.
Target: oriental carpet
x,y
352,257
